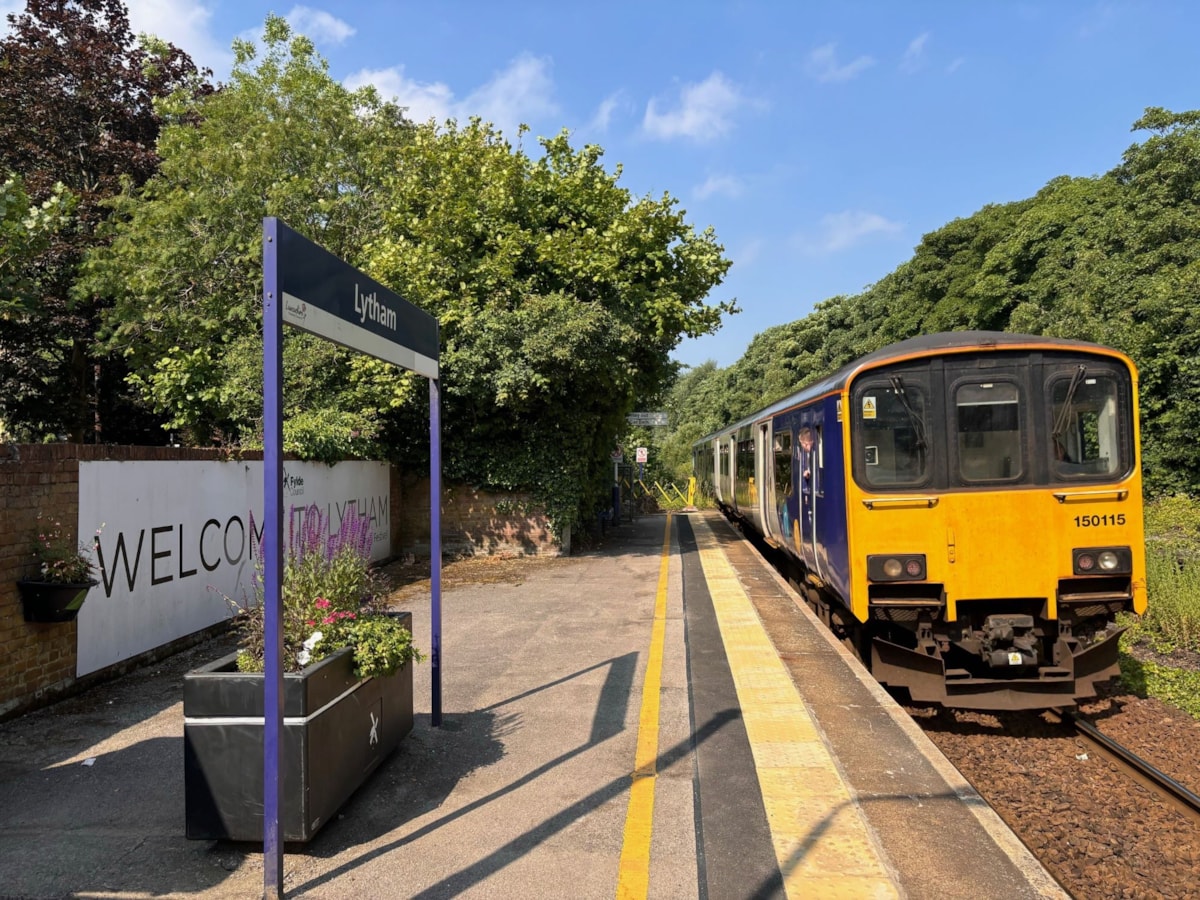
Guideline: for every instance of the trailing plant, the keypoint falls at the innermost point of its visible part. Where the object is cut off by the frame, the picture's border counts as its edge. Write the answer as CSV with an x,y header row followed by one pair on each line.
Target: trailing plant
x,y
60,559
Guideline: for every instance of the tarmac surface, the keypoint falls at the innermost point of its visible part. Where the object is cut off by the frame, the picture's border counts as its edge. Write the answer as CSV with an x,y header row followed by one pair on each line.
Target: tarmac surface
x,y
593,728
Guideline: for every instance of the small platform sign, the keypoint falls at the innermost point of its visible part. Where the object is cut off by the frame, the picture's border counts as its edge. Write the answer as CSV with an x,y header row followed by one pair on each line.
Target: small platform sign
x,y
651,419
643,454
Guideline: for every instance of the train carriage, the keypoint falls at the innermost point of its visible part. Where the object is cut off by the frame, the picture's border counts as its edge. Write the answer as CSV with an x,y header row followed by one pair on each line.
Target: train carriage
x,y
964,508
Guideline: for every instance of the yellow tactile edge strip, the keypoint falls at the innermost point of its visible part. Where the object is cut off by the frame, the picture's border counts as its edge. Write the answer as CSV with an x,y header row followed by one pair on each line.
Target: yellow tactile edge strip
x,y
1035,873
633,871
822,843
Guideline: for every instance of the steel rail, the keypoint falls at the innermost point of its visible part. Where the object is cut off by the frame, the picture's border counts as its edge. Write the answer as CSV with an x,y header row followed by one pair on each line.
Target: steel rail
x,y
1171,790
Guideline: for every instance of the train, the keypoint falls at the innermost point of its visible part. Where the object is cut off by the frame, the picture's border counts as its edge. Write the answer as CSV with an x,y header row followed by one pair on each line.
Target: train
x,y
963,509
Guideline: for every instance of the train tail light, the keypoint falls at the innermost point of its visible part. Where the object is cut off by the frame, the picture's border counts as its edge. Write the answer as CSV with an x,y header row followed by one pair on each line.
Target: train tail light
x,y
1102,561
898,567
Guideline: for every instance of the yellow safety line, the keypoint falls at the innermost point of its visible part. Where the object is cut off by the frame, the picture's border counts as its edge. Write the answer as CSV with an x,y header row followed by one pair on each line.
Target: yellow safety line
x,y
633,877
822,843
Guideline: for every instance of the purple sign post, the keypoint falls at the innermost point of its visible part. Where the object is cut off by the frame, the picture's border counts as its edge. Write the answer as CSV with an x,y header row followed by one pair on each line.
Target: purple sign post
x,y
306,286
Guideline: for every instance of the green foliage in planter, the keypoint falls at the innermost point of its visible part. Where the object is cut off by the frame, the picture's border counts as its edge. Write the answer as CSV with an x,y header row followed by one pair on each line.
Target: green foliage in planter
x,y
331,599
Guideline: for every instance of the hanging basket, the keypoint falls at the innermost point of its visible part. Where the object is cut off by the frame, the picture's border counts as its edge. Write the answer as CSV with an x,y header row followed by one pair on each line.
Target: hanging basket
x,y
52,601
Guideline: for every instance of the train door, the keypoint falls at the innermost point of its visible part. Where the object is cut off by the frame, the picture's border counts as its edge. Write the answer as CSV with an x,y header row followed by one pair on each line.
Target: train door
x,y
784,511
989,443
805,441
764,469
814,476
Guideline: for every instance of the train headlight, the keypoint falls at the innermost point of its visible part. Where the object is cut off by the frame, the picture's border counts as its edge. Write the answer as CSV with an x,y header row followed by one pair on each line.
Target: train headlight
x,y
886,567
1102,561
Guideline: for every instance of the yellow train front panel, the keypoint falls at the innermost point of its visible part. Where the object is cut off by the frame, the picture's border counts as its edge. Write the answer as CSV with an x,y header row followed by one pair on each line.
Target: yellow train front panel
x,y
991,545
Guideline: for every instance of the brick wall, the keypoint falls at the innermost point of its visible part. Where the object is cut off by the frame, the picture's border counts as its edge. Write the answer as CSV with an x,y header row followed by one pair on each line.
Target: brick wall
x,y
38,661
473,521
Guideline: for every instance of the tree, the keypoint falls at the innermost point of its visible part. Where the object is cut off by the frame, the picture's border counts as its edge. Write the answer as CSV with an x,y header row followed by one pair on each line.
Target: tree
x,y
559,296
282,139
76,113
26,230
1113,259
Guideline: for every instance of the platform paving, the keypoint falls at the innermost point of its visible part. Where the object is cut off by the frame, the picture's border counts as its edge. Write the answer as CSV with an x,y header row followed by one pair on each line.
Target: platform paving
x,y
522,792
549,727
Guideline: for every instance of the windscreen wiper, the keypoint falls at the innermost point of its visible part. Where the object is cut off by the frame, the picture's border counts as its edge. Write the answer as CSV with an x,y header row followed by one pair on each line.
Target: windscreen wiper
x,y
1064,414
913,417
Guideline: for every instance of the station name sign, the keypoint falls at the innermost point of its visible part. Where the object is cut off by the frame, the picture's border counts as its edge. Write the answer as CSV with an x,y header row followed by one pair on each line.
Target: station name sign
x,y
324,296
651,419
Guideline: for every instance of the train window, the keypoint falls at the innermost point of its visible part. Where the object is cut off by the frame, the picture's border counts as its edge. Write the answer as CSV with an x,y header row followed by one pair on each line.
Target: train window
x,y
891,428
819,465
989,431
1085,439
783,465
745,494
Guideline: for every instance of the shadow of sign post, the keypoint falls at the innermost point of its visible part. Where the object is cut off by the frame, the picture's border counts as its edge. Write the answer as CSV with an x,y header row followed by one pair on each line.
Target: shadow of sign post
x,y
307,287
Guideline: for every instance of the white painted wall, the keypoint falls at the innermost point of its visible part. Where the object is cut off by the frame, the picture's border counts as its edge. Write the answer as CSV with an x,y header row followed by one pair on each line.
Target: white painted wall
x,y
176,541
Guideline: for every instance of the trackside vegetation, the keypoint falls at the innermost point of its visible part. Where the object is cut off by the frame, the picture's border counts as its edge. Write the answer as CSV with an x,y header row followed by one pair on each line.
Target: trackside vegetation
x,y
1113,259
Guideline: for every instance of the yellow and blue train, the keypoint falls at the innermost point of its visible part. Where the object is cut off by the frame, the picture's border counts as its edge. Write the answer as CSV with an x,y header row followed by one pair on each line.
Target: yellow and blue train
x,y
964,509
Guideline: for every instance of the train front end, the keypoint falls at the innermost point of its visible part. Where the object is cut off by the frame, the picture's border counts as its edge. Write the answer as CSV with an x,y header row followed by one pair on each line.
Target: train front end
x,y
995,512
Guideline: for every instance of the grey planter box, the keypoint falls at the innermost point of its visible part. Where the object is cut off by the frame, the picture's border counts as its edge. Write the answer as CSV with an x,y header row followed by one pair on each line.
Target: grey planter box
x,y
336,732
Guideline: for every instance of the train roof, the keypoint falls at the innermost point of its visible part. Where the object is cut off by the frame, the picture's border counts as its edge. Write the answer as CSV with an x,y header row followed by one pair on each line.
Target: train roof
x,y
925,344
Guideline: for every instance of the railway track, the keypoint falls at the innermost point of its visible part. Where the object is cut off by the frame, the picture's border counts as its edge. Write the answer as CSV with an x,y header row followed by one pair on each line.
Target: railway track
x,y
1174,793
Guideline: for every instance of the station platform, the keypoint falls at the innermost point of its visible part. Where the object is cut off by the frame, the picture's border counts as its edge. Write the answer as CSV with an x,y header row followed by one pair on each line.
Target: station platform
x,y
660,718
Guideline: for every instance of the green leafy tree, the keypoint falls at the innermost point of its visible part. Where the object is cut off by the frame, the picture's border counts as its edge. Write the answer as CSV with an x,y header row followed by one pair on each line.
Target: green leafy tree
x,y
184,265
1113,259
26,230
560,297
77,117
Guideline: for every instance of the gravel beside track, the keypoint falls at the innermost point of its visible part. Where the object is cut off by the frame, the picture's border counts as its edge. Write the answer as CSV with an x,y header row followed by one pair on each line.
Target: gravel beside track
x,y
1097,831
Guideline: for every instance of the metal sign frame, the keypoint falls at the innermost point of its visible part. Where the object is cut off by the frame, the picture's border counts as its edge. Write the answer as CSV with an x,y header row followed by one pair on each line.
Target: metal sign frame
x,y
306,286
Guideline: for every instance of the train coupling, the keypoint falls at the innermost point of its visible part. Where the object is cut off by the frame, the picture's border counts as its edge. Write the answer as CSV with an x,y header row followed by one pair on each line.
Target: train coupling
x,y
1008,641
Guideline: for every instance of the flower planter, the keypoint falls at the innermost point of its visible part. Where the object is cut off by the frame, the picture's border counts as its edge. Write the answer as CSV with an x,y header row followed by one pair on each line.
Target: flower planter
x,y
336,731
52,601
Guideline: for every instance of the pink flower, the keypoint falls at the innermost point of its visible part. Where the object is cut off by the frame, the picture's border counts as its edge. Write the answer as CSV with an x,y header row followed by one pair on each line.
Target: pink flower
x,y
322,603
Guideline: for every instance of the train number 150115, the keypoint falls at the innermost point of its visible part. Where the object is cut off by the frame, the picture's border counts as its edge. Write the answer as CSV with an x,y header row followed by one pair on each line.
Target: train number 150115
x,y
1097,521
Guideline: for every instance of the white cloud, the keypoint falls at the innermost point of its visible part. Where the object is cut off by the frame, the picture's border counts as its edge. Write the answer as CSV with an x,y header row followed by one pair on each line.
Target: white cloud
x,y
424,101
954,66
184,23
321,27
824,66
839,231
726,185
519,94
914,56
604,112
705,111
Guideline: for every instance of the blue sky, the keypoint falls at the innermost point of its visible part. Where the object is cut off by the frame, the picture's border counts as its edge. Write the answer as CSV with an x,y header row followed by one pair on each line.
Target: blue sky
x,y
821,141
